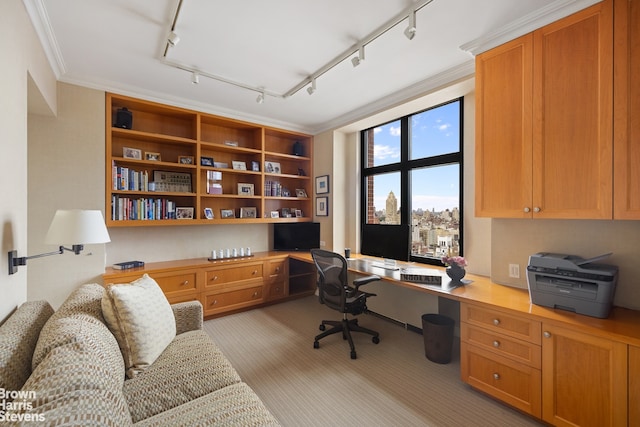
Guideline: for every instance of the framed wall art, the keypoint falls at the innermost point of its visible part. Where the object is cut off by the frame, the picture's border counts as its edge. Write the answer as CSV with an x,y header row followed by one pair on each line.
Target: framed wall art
x,y
322,206
322,184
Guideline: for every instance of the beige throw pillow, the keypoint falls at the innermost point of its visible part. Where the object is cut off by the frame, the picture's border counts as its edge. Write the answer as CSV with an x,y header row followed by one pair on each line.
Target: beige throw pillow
x,y
141,319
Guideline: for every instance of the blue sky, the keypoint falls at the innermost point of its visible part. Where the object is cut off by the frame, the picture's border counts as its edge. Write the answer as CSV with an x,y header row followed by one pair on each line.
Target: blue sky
x,y
433,132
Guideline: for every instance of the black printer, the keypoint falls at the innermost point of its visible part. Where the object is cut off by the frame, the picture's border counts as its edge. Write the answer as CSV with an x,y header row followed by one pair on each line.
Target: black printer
x,y
570,282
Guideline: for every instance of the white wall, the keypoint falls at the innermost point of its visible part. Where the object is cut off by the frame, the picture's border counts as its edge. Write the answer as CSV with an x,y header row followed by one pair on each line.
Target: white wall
x,y
22,56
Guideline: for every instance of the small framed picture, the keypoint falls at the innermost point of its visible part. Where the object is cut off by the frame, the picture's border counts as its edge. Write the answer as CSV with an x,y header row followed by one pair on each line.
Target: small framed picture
x,y
185,160
227,213
255,166
206,161
245,189
275,214
184,213
300,192
272,167
298,213
286,212
239,166
154,157
248,212
322,206
131,153
208,213
322,184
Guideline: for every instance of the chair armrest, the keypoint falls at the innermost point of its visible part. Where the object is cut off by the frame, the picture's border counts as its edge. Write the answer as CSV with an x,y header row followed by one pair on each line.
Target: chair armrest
x,y
188,316
364,280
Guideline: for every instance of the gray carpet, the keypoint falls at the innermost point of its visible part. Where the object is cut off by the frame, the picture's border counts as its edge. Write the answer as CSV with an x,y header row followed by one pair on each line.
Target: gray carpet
x,y
389,384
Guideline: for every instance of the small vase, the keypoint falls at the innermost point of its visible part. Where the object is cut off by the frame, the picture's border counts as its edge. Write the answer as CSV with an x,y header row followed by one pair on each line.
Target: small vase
x,y
456,273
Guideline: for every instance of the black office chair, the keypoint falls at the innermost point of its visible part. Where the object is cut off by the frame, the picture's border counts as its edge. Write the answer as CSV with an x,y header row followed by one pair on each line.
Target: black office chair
x,y
336,293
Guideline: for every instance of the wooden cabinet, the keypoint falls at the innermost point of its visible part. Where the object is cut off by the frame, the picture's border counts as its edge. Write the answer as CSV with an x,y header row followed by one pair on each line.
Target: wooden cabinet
x,y
544,116
627,110
634,386
302,277
178,285
500,355
584,379
276,279
182,167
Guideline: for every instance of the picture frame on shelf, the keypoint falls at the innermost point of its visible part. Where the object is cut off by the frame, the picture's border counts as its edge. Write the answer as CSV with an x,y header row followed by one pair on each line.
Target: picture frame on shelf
x,y
131,153
275,214
208,213
322,184
245,189
300,192
322,206
272,167
238,165
227,213
174,182
184,213
298,213
206,161
255,166
285,192
221,165
249,212
152,157
185,160
286,212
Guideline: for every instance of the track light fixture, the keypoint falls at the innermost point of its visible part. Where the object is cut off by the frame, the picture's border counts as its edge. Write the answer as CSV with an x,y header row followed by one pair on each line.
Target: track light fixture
x,y
410,32
260,98
173,38
356,60
312,88
195,78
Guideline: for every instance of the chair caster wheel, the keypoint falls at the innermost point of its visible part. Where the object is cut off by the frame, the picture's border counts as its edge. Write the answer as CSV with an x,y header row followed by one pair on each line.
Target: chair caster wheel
x,y
316,344
353,354
375,340
322,327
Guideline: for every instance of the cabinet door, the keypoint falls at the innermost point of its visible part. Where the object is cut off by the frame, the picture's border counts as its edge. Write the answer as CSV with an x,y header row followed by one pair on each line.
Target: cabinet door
x,y
573,116
634,386
584,379
627,110
504,130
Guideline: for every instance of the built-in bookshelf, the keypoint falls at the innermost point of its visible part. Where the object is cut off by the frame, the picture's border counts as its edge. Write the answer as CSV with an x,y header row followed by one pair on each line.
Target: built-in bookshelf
x,y
172,166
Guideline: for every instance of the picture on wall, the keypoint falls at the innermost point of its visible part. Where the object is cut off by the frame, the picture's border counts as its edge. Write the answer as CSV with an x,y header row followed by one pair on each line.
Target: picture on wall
x,y
322,206
322,184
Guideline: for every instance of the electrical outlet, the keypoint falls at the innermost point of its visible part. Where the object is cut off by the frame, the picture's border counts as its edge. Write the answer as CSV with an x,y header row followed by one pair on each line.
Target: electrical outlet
x,y
322,243
514,271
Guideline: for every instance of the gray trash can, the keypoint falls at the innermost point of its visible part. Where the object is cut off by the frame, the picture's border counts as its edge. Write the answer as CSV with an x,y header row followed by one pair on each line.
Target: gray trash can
x,y
437,331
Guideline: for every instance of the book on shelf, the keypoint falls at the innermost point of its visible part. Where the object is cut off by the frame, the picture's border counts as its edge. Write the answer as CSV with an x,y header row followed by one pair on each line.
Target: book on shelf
x,y
426,276
128,264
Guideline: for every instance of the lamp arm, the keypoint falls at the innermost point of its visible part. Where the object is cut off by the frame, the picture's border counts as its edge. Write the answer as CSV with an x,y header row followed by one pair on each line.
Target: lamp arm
x,y
15,260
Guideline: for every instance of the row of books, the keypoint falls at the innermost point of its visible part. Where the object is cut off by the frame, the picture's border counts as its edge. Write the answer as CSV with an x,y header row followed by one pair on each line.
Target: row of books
x,y
129,179
272,188
125,208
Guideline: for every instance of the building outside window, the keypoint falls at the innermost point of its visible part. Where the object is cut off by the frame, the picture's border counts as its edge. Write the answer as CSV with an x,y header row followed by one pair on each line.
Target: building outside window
x,y
412,175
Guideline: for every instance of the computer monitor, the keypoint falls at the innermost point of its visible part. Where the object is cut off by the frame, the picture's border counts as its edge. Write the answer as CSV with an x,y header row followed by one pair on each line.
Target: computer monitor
x,y
296,236
385,241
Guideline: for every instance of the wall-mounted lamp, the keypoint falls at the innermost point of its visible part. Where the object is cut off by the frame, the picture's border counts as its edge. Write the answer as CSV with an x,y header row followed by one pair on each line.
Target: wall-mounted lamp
x,y
69,227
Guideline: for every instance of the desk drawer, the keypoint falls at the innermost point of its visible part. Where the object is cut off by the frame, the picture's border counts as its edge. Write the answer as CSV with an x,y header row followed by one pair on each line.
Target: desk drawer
x,y
216,302
502,322
176,282
233,273
504,345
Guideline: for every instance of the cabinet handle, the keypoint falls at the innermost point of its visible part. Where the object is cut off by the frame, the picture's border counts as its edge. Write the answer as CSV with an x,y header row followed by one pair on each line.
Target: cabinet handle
x,y
496,322
496,343
254,272
214,278
496,376
255,294
277,269
536,209
546,334
214,302
527,209
186,282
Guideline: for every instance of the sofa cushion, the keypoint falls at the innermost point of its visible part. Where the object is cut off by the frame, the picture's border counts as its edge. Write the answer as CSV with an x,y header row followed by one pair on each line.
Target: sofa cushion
x,y
141,319
18,338
191,366
234,405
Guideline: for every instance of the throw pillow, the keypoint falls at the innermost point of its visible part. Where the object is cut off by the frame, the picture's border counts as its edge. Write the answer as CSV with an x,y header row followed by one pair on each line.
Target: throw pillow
x,y
140,317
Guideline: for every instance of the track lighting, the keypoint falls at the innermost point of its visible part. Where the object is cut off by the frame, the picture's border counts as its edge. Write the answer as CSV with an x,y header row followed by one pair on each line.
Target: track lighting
x,y
410,32
260,98
356,60
312,88
173,38
195,78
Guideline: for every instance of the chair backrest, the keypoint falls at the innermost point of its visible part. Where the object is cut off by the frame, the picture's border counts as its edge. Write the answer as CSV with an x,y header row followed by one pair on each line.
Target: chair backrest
x,y
332,278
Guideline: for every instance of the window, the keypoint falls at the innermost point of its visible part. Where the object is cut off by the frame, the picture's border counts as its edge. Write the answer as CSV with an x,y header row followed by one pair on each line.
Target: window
x,y
412,176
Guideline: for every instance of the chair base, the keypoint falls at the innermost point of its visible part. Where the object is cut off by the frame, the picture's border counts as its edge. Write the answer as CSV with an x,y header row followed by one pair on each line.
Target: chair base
x,y
346,326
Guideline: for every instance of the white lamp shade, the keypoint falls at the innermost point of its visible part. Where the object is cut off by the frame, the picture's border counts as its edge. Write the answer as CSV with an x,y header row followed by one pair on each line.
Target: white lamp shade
x,y
77,227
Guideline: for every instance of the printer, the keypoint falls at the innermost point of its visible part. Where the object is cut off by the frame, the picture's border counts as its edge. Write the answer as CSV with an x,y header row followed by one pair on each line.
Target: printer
x,y
572,283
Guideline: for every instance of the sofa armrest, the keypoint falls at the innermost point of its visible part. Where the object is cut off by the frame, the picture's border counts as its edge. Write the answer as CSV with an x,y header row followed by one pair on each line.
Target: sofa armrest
x,y
188,316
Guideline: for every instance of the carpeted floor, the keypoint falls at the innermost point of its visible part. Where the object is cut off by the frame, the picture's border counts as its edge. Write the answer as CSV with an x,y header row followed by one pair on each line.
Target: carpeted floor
x,y
389,384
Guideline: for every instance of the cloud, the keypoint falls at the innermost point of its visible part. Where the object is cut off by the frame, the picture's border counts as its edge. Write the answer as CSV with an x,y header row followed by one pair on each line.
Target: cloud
x,y
394,131
385,151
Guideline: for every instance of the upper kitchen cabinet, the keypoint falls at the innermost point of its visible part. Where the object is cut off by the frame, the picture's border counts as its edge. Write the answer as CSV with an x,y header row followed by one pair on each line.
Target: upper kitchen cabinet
x,y
544,145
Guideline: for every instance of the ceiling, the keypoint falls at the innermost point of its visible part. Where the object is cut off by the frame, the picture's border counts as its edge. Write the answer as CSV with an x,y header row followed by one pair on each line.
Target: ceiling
x,y
119,46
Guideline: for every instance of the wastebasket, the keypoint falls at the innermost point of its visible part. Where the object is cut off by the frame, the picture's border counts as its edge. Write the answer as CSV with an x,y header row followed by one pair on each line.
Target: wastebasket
x,y
437,331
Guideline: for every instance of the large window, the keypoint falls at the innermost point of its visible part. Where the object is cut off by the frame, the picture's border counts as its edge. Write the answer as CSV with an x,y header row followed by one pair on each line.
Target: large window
x,y
412,176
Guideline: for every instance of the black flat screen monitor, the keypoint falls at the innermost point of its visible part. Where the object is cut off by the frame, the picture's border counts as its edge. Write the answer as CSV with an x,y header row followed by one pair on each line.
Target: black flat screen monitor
x,y
296,236
385,241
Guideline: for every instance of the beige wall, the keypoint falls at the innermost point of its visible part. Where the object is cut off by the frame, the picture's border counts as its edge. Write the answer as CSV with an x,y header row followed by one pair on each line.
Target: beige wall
x,y
24,69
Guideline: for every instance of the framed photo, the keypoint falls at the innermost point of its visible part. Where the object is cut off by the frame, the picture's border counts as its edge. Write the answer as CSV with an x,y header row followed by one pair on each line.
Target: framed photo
x,y
184,213
154,157
255,166
298,213
322,206
176,182
300,192
208,213
245,189
185,160
286,212
248,212
272,167
322,184
275,214
131,153
206,161
221,165
227,213
286,192
239,166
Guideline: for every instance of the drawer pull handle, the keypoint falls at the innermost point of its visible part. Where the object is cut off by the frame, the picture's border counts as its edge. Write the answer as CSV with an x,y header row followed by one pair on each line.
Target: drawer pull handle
x,y
546,334
214,302
214,278
277,269
255,294
496,344
496,376
254,272
186,282
536,209
527,209
496,322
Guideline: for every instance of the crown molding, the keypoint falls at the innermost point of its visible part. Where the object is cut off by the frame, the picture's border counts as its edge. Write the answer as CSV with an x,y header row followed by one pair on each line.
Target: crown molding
x,y
41,24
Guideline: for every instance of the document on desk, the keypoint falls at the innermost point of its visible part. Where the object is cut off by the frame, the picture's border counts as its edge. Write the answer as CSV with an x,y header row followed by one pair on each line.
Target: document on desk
x,y
391,267
425,276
